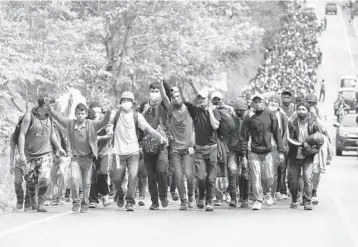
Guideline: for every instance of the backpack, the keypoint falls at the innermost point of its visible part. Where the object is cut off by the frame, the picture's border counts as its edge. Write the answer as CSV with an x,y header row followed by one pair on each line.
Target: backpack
x,y
16,134
135,117
227,123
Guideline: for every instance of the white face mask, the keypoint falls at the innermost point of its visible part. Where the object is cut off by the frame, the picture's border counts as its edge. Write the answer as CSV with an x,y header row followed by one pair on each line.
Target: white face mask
x,y
127,105
155,96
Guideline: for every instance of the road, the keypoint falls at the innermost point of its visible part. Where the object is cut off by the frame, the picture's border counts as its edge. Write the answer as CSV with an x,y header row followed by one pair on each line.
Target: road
x,y
334,222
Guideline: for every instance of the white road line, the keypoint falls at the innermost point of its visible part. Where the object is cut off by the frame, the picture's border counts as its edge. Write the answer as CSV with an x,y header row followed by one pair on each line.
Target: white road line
x,y
19,228
347,41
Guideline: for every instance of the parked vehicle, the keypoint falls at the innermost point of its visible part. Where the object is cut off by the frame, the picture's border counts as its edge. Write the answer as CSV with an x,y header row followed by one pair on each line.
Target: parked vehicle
x,y
331,7
347,134
349,81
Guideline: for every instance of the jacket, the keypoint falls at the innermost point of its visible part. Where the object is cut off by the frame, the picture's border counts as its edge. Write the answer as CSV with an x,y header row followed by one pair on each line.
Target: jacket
x,y
92,127
293,130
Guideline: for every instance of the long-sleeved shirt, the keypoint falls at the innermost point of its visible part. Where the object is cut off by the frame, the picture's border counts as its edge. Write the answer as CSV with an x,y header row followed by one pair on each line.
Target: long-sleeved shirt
x,y
260,126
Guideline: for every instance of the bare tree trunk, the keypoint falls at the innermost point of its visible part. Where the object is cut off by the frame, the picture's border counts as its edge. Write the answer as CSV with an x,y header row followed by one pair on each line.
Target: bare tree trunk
x,y
26,97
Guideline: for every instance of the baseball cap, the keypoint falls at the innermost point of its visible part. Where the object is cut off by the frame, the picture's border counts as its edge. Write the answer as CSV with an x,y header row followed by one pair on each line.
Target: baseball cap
x,y
286,91
216,94
127,95
203,93
257,95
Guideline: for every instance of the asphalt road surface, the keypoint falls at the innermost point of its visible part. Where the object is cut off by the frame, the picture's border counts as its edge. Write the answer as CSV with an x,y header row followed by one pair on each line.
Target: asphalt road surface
x,y
334,222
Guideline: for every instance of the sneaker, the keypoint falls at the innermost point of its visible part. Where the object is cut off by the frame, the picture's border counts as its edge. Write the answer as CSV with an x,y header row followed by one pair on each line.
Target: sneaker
x,y
315,200
28,208
232,203
294,205
308,206
67,199
257,205
183,206
154,206
47,203
279,196
141,201
84,208
129,207
93,205
76,207
19,206
165,203
191,203
218,203
269,200
41,209
209,207
56,202
105,200
175,196
200,204
120,203
228,198
244,204
284,196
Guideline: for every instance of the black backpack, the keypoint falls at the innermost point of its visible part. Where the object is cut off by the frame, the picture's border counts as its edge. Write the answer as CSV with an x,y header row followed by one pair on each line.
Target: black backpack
x,y
15,135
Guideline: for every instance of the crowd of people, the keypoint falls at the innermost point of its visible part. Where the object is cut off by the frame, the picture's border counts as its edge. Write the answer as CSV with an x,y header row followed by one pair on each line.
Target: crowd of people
x,y
200,153
292,61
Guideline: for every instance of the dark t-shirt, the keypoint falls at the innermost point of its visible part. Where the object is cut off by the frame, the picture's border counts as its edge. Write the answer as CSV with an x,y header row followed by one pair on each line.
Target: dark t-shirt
x,y
204,132
102,144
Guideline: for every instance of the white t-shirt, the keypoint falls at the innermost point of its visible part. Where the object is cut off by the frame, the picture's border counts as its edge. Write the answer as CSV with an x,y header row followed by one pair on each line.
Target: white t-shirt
x,y
125,135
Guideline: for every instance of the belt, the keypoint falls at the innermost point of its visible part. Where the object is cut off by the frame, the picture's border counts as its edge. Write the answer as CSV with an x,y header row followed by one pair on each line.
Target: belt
x,y
207,147
83,156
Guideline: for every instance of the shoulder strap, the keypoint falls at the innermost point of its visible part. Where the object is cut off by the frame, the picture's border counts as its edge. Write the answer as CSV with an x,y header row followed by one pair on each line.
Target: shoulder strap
x,y
118,113
135,116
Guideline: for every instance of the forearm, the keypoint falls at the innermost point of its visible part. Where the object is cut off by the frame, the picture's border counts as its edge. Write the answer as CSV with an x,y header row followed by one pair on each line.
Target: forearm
x,y
165,98
59,117
153,132
12,156
22,144
214,123
56,142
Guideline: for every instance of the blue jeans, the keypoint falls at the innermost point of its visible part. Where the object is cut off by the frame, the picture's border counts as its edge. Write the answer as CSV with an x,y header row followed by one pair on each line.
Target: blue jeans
x,y
81,167
183,165
206,171
295,171
261,174
131,162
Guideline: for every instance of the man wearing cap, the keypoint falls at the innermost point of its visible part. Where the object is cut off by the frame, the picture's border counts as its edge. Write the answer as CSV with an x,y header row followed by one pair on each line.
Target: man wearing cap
x,y
126,149
236,167
206,121
34,146
261,127
226,129
287,105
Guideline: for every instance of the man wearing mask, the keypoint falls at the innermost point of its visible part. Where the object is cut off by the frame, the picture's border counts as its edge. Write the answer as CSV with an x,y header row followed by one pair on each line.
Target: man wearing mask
x,y
287,105
206,121
35,149
242,169
300,129
182,146
126,123
261,126
274,103
156,161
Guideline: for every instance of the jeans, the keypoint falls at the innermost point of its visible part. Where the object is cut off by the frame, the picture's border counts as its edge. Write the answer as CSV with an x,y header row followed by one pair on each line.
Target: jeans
x,y
99,183
142,179
42,168
295,171
81,167
322,95
276,164
206,171
281,178
261,174
243,178
157,169
131,162
19,179
183,165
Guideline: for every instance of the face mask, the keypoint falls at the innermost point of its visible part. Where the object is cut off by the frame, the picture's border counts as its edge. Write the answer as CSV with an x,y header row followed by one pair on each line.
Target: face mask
x,y
272,108
127,105
154,96
302,116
